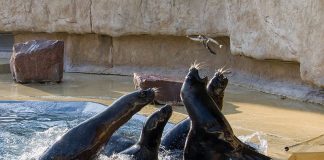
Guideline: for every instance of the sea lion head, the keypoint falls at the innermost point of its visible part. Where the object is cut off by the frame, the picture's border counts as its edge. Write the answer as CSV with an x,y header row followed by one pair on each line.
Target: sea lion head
x,y
219,82
201,108
193,78
144,96
154,126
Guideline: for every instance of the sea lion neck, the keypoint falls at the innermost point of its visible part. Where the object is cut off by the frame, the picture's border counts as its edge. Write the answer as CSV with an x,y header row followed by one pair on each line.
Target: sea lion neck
x,y
200,106
216,88
153,128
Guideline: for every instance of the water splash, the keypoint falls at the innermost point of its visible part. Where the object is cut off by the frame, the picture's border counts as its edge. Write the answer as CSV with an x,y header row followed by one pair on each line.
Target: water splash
x,y
256,140
29,128
115,157
40,141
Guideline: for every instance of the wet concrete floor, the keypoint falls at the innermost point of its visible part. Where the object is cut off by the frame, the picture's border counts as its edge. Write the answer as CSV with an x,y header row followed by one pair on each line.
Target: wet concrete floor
x,y
282,122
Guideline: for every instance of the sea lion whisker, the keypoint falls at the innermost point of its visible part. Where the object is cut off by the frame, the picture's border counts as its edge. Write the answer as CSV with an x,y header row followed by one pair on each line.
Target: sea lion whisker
x,y
227,71
222,70
223,67
194,65
198,65
202,65
156,89
219,70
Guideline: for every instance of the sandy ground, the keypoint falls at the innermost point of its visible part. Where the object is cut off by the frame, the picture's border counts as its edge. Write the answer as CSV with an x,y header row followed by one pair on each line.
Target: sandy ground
x,y
282,122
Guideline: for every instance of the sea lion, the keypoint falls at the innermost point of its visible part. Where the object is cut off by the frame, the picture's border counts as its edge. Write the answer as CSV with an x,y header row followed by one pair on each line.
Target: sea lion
x,y
176,137
216,87
84,141
211,136
147,147
117,143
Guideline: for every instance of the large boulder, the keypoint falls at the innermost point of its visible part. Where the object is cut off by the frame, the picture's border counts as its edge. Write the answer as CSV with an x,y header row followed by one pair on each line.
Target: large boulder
x,y
37,61
168,88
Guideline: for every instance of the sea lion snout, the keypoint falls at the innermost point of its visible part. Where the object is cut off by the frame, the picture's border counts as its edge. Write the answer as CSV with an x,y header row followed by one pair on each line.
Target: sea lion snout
x,y
145,96
159,118
150,92
166,110
194,75
219,83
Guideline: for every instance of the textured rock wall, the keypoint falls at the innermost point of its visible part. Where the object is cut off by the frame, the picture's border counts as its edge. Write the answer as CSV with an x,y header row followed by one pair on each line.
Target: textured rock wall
x,y
167,17
71,16
287,30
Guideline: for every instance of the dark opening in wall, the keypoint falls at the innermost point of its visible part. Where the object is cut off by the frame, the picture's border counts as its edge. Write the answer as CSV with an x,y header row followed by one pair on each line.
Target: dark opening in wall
x,y
6,43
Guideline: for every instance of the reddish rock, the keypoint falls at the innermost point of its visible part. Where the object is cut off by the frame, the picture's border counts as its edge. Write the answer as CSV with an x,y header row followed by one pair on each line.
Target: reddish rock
x,y
37,61
168,88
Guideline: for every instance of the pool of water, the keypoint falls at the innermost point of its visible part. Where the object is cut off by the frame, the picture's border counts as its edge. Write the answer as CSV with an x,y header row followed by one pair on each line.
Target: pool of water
x,y
28,128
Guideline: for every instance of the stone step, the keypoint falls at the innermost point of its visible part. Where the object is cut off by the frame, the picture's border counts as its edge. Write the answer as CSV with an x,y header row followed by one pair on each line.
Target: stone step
x,y
4,65
168,88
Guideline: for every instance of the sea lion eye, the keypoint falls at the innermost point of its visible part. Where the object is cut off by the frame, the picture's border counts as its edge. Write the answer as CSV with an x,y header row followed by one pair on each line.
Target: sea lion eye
x,y
142,94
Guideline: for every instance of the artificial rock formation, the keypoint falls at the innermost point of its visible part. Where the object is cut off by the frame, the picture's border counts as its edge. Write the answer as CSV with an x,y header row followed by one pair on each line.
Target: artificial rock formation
x,y
37,61
287,30
72,16
168,89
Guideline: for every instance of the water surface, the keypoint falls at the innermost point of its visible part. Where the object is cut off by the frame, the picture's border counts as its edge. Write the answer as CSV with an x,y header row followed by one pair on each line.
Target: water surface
x,y
28,128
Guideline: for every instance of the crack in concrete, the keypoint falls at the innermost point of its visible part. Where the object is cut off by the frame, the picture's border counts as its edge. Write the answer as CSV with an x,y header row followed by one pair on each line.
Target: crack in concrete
x,y
90,16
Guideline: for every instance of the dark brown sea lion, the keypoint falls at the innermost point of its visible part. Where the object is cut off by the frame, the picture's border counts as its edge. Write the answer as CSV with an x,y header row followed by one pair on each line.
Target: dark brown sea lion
x,y
176,137
117,143
216,87
147,147
84,141
211,136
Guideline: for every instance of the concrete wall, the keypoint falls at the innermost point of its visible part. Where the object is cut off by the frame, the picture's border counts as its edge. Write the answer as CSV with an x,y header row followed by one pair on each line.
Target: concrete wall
x,y
287,30
170,54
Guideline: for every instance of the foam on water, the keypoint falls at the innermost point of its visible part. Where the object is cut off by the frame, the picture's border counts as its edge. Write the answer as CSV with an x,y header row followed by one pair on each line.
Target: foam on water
x,y
256,140
28,128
